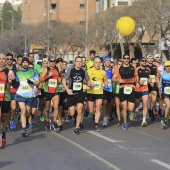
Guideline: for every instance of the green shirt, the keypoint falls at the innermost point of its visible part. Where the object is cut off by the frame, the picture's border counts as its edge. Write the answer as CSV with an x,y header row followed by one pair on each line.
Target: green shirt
x,y
37,68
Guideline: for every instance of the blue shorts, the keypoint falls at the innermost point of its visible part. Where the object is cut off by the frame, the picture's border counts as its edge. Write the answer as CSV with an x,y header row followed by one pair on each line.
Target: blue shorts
x,y
138,95
13,96
34,102
27,101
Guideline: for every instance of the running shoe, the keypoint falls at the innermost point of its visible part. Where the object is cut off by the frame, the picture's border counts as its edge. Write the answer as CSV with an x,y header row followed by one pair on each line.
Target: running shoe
x,y
93,116
30,127
12,124
104,123
81,126
152,117
3,142
111,118
96,128
155,113
7,128
42,119
60,127
24,133
135,118
131,116
125,126
119,123
55,126
144,123
76,132
164,124
48,126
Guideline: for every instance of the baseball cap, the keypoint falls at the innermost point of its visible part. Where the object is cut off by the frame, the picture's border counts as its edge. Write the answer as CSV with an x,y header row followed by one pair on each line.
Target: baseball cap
x,y
51,58
149,55
157,55
106,58
59,60
167,63
142,58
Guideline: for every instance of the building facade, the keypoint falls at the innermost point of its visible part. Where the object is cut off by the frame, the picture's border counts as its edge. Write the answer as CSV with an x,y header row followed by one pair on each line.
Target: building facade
x,y
70,11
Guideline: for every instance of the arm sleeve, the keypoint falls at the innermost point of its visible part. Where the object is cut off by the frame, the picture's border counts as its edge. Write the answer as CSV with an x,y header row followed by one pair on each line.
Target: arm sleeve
x,y
86,76
67,74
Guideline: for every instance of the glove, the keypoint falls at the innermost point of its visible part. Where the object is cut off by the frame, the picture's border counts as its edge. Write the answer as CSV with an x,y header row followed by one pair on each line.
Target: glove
x,y
15,83
29,81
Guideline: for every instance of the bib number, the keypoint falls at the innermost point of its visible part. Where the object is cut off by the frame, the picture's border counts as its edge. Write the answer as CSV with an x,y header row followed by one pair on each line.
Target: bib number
x,y
77,86
144,81
52,83
127,90
25,88
152,78
167,90
2,88
97,85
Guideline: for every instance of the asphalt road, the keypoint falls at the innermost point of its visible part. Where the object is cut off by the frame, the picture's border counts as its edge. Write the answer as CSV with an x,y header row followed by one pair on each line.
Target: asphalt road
x,y
139,148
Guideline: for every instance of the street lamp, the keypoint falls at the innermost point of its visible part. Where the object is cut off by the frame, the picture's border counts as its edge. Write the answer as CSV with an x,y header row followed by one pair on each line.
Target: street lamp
x,y
12,22
2,25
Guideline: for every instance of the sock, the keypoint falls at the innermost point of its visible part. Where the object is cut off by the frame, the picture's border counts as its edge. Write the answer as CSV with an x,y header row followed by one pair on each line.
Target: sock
x,y
3,135
96,124
144,118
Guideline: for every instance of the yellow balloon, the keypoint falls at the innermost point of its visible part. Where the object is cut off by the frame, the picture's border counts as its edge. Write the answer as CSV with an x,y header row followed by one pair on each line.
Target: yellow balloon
x,y
126,26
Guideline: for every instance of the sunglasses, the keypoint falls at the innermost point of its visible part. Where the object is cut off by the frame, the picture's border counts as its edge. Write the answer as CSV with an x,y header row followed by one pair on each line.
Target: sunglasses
x,y
9,59
52,61
126,58
158,57
143,60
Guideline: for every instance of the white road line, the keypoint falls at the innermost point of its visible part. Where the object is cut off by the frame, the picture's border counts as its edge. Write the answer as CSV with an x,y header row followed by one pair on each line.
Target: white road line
x,y
161,163
112,166
105,138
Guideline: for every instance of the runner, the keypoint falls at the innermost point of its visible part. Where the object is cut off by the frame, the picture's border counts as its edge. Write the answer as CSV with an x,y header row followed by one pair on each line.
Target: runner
x,y
50,76
141,90
7,77
116,95
158,63
165,75
126,76
75,99
19,60
95,94
108,92
27,79
153,81
11,66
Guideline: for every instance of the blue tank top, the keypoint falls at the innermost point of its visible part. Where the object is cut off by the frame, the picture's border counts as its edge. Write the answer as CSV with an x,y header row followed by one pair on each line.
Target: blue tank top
x,y
109,78
165,83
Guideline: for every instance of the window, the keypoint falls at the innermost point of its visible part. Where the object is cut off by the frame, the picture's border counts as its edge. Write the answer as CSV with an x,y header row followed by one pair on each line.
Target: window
x,y
53,8
82,23
82,6
122,3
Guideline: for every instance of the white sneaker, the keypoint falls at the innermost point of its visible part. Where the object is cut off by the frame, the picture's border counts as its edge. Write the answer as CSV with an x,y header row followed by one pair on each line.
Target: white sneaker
x,y
104,121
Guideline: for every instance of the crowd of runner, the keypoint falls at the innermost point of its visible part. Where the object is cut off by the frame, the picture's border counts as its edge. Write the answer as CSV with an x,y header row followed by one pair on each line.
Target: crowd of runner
x,y
86,88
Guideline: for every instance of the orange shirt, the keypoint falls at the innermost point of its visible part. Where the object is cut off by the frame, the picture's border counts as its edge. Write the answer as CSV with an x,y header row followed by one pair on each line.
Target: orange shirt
x,y
129,82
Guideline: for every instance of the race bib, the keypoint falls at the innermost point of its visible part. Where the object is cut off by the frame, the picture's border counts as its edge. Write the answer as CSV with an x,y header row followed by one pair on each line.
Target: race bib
x,y
77,86
2,88
144,81
167,90
84,87
25,88
61,88
152,78
97,85
52,83
127,90
109,82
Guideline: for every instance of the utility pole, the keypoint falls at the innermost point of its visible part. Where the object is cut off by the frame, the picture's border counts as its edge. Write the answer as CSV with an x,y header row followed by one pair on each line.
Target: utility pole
x,y
86,45
48,25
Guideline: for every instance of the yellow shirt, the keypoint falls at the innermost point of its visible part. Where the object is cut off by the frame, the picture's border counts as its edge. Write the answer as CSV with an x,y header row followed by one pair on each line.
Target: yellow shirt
x,y
96,77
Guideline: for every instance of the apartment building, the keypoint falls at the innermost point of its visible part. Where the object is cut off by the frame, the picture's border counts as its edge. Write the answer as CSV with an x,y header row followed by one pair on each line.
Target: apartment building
x,y
71,11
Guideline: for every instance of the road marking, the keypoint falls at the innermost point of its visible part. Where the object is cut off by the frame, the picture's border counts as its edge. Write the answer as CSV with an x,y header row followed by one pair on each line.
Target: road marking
x,y
105,138
161,163
87,151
